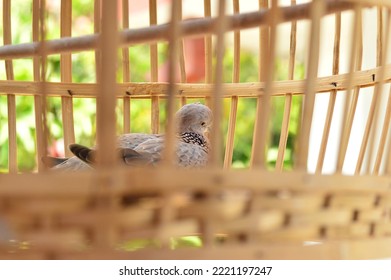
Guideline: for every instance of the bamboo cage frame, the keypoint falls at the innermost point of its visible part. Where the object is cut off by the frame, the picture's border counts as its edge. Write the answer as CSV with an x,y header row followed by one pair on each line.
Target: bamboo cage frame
x,y
238,214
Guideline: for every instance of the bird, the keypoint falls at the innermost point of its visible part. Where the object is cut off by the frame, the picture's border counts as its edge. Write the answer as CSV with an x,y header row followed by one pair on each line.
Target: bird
x,y
193,123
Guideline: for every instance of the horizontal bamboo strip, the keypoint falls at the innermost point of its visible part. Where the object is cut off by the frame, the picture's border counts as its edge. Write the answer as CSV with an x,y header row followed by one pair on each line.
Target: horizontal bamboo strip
x,y
49,241
364,248
296,234
382,229
361,79
354,201
371,215
157,33
351,231
327,217
46,206
265,221
297,203
155,181
371,2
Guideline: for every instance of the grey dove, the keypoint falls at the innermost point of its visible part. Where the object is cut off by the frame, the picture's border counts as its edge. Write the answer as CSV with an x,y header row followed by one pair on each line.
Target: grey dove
x,y
193,122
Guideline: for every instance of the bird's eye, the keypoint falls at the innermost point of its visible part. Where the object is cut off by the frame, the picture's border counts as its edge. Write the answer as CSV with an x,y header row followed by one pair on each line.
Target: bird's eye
x,y
203,123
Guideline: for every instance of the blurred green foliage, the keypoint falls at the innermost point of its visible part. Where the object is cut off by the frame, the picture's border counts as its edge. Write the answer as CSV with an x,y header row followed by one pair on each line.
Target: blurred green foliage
x,y
83,71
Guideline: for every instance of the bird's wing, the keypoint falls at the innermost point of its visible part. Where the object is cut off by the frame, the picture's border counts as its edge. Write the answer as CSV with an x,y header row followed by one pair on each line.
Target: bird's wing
x,y
151,149
132,140
132,158
151,146
72,164
50,162
190,155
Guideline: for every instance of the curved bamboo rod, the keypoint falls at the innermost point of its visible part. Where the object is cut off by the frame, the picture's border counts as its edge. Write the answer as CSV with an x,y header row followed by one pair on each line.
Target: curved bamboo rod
x,y
352,95
160,32
361,79
310,87
333,96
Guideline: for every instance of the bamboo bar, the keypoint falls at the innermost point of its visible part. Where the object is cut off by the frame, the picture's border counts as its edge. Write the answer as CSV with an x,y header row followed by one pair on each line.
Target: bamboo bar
x,y
370,160
66,76
153,48
262,130
104,234
379,59
351,101
169,150
105,99
208,45
216,102
333,95
382,144
208,50
264,41
126,68
317,13
11,104
374,108
288,98
181,54
229,147
97,30
39,76
378,91
167,213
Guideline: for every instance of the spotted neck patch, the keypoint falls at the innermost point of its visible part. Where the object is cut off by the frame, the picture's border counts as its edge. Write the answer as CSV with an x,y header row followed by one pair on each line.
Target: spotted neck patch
x,y
194,138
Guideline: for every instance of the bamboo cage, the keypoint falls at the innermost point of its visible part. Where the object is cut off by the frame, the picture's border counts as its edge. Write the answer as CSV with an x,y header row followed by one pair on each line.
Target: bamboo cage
x,y
260,212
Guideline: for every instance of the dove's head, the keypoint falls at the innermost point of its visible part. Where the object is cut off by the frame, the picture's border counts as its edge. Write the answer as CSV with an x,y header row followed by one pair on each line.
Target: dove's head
x,y
194,117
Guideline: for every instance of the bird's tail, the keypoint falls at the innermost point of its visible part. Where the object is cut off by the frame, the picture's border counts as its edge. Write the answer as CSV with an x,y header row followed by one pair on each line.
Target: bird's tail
x,y
85,154
126,155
